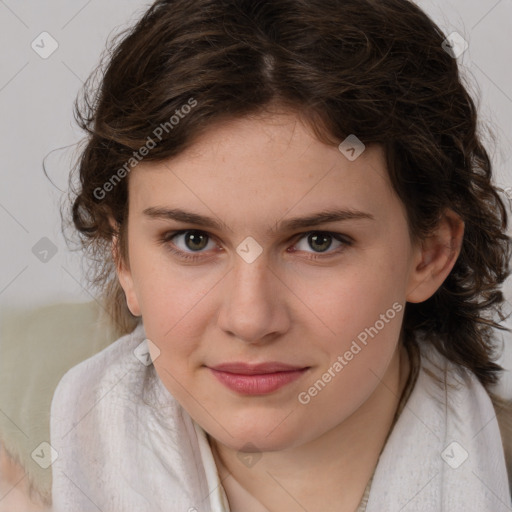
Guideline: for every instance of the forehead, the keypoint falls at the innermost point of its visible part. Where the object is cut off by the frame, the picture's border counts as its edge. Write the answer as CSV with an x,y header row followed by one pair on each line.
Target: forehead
x,y
264,168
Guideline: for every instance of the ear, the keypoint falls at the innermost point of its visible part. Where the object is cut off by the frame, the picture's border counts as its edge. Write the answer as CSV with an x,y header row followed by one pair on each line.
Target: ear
x,y
124,274
435,257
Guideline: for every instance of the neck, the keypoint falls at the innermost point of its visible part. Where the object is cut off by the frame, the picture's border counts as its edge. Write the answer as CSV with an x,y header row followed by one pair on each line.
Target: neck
x,y
329,473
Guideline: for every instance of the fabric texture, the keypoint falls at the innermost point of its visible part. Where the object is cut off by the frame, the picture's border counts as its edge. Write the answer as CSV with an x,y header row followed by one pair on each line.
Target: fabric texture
x,y
124,444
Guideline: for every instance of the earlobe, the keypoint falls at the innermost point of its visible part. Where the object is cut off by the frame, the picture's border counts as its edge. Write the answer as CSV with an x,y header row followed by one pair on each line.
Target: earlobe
x,y
436,258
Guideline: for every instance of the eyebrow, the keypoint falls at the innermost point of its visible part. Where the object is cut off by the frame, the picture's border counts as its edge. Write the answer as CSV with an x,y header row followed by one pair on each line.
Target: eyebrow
x,y
323,217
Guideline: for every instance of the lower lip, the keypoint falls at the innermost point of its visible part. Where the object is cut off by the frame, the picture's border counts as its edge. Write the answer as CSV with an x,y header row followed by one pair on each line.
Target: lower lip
x,y
257,384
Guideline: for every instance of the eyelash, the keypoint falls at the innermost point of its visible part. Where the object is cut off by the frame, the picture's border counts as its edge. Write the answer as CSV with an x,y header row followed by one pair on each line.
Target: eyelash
x,y
165,240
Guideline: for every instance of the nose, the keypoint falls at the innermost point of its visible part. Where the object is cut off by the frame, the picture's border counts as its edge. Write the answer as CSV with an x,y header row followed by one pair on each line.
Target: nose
x,y
253,307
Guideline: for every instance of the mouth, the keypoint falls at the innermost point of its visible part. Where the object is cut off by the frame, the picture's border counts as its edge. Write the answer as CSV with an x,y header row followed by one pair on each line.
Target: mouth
x,y
258,379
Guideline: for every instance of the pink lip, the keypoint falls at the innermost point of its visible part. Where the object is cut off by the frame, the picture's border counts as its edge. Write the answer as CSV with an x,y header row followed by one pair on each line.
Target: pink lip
x,y
256,379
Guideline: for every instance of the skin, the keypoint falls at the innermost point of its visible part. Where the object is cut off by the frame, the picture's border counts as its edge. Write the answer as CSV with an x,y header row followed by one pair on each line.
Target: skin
x,y
251,174
14,487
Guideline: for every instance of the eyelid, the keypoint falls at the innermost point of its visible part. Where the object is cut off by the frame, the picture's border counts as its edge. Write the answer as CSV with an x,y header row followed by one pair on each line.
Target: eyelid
x,y
345,240
166,238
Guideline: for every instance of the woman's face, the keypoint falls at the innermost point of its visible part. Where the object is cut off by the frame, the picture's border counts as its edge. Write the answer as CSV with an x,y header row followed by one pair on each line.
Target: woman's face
x,y
253,283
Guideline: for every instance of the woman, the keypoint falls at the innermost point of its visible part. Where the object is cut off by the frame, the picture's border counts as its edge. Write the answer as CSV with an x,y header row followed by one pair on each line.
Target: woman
x,y
293,223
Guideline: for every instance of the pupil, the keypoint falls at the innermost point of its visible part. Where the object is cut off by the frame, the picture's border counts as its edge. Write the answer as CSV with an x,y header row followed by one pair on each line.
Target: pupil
x,y
326,239
195,237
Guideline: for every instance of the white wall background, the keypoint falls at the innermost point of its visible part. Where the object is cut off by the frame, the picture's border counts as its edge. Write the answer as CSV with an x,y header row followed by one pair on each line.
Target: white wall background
x,y
36,97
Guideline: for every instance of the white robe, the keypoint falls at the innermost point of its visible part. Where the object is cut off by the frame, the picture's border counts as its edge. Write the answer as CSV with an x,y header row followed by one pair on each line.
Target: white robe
x,y
124,444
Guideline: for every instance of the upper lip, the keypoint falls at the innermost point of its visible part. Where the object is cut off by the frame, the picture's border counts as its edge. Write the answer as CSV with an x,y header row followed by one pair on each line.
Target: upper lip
x,y
255,369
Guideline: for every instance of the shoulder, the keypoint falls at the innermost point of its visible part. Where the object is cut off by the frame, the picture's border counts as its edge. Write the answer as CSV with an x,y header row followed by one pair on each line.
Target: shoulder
x,y
84,383
112,424
454,385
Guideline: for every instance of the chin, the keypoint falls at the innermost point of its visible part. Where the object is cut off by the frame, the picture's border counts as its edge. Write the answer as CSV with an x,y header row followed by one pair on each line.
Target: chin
x,y
268,436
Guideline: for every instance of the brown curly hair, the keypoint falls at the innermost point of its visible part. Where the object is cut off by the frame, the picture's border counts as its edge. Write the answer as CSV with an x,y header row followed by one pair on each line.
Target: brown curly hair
x,y
372,68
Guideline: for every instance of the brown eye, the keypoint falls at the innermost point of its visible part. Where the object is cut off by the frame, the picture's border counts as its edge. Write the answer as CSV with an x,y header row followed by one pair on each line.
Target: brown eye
x,y
186,242
320,242
195,240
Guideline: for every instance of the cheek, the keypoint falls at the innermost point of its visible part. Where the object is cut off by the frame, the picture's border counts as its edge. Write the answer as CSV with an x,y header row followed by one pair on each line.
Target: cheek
x,y
346,302
170,295
364,312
